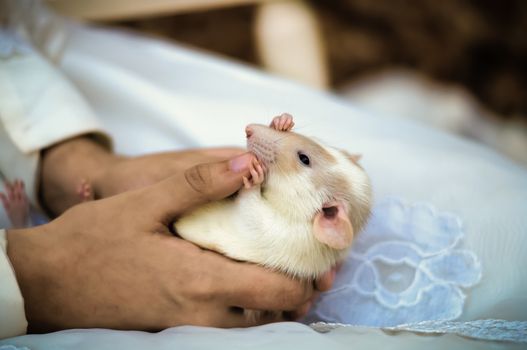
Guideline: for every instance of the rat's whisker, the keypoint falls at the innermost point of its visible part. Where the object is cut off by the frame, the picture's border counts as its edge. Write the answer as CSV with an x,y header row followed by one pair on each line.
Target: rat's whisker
x,y
281,138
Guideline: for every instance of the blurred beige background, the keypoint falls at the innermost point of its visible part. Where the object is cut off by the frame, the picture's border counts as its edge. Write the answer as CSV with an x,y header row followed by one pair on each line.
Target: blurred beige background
x,y
458,65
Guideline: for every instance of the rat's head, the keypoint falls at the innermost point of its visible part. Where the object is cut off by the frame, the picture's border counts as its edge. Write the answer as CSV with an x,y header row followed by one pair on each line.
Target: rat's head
x,y
313,183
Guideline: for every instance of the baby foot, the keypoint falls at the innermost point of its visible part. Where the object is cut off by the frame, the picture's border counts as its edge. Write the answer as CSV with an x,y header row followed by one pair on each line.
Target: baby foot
x,y
16,204
257,175
284,122
84,191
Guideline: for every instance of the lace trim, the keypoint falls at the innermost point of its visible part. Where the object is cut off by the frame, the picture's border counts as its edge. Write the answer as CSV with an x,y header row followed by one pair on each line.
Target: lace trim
x,y
488,330
12,347
409,265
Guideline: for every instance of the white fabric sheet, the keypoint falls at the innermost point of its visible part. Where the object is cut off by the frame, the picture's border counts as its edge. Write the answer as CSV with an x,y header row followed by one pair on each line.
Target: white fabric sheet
x,y
153,96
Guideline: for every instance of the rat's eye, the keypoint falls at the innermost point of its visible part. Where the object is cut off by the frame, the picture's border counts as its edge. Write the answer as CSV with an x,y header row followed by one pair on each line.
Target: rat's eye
x,y
303,158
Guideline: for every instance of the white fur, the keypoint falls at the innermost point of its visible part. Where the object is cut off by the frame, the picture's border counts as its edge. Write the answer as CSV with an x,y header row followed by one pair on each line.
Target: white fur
x,y
274,228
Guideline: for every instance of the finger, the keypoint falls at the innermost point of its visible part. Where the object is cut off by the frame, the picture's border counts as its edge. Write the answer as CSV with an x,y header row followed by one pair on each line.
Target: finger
x,y
235,318
16,190
301,311
325,282
19,191
254,174
246,183
264,167
253,287
225,153
23,190
11,192
260,171
5,201
197,185
181,160
232,317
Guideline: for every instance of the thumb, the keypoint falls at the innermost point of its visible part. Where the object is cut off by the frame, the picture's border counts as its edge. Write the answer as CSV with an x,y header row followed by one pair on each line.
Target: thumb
x,y
213,181
197,185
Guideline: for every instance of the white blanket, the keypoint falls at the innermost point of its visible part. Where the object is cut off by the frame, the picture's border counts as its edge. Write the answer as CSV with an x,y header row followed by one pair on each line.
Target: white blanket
x,y
154,96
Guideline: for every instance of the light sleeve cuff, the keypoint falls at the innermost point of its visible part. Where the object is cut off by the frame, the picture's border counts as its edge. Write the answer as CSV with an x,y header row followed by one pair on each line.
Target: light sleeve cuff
x,y
38,108
12,316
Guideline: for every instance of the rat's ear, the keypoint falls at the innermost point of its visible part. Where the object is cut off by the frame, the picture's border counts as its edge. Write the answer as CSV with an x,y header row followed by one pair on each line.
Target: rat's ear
x,y
332,225
355,157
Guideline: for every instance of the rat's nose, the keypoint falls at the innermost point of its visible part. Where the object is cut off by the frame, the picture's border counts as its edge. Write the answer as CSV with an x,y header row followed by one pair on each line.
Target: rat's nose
x,y
249,131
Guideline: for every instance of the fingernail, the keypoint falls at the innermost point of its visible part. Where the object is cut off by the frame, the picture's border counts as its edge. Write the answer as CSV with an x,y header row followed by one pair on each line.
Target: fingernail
x,y
241,162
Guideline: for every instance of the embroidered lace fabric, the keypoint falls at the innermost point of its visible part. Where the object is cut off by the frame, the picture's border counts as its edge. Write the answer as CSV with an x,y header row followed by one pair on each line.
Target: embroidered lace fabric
x,y
12,347
409,265
490,330
409,271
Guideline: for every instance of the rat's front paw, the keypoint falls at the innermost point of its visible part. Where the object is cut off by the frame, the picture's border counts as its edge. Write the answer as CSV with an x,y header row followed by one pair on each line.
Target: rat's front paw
x,y
284,122
257,175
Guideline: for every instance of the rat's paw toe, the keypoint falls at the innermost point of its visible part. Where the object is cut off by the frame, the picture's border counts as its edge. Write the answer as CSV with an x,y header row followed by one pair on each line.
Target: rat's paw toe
x,y
246,183
254,174
260,175
289,125
284,122
257,172
274,123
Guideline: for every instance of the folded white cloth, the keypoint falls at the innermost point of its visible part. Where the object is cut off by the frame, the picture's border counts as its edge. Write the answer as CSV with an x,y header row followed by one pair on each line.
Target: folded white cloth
x,y
155,96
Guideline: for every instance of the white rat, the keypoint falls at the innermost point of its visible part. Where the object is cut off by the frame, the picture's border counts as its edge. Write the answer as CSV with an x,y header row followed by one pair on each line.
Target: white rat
x,y
300,219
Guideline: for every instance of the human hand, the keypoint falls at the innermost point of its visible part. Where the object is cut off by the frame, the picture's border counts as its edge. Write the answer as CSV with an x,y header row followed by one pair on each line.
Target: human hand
x,y
125,174
131,173
70,167
113,263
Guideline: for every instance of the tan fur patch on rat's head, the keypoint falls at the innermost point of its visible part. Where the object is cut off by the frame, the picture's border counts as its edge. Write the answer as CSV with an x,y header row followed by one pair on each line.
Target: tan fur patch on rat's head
x,y
296,153
347,181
